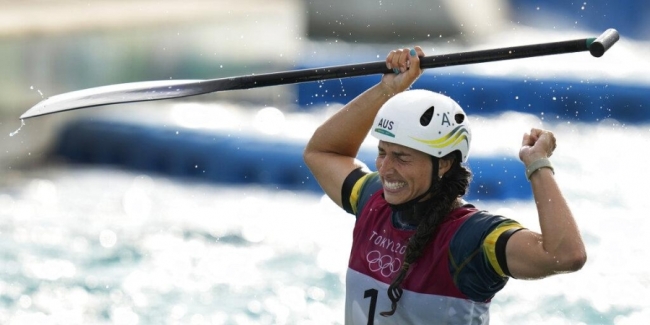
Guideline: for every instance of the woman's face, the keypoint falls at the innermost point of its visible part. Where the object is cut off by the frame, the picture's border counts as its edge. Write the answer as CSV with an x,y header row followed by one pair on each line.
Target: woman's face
x,y
405,173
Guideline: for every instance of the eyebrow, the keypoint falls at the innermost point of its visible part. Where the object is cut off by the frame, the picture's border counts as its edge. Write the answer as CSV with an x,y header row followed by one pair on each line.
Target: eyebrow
x,y
395,152
402,154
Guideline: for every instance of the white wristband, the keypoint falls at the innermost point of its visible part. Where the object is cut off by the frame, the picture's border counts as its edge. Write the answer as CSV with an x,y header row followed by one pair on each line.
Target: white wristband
x,y
536,165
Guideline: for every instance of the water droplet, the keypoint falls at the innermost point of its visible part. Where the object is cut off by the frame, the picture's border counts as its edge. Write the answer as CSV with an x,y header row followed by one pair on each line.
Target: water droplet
x,y
22,123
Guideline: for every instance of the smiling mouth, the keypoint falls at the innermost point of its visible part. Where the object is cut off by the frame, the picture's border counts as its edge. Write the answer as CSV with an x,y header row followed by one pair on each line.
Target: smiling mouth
x,y
393,186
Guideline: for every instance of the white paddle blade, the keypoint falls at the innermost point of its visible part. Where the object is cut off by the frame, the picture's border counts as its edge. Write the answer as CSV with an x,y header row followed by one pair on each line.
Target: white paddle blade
x,y
114,94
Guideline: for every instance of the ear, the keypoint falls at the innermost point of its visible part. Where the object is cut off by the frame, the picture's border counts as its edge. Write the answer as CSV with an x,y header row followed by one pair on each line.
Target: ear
x,y
444,165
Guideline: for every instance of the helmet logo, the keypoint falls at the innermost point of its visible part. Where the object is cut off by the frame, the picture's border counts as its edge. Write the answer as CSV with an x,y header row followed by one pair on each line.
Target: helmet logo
x,y
385,126
445,119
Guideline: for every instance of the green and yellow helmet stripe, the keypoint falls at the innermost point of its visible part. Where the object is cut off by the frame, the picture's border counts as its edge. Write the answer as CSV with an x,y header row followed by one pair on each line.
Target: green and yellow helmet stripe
x,y
452,138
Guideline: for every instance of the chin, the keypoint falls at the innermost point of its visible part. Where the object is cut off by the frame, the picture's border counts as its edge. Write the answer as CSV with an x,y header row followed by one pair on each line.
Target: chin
x,y
392,199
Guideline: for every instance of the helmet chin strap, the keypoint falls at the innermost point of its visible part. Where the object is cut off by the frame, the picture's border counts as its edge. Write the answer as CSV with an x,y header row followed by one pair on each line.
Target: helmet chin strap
x,y
414,202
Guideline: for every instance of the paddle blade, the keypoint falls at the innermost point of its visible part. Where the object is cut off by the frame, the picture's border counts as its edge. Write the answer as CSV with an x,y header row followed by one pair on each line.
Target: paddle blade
x,y
121,93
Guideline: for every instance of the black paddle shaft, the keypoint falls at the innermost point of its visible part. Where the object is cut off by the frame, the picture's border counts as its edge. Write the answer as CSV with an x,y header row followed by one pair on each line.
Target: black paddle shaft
x,y
596,46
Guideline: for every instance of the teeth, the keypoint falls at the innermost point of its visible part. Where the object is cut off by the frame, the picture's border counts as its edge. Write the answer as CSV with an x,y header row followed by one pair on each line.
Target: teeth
x,y
394,185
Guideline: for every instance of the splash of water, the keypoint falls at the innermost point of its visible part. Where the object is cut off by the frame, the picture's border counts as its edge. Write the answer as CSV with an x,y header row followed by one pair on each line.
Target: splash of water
x,y
22,123
38,90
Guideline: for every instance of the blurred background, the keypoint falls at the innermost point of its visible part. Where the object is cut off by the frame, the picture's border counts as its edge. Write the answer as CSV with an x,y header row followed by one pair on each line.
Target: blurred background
x,y
187,211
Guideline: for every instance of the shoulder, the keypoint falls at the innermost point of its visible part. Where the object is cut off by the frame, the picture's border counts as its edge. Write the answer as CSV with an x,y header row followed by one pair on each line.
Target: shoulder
x,y
481,224
476,226
358,188
484,230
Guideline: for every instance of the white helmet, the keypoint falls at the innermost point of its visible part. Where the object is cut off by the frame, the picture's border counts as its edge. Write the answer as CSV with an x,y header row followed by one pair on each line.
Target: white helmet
x,y
425,121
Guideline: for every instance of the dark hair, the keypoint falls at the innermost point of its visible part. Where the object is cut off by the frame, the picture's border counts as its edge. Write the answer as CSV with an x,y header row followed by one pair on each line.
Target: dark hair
x,y
444,194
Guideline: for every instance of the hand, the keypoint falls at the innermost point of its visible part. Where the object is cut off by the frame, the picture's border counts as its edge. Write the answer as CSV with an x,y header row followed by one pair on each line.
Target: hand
x,y
406,64
536,145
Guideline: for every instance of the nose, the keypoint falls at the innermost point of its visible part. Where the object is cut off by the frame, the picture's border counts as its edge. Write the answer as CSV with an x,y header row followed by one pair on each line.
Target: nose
x,y
384,164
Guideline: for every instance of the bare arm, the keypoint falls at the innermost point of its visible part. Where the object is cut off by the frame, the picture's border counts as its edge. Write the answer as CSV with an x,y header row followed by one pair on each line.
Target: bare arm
x,y
331,152
559,247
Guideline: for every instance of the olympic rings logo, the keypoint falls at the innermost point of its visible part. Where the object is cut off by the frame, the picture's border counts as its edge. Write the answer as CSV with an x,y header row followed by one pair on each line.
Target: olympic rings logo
x,y
385,264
